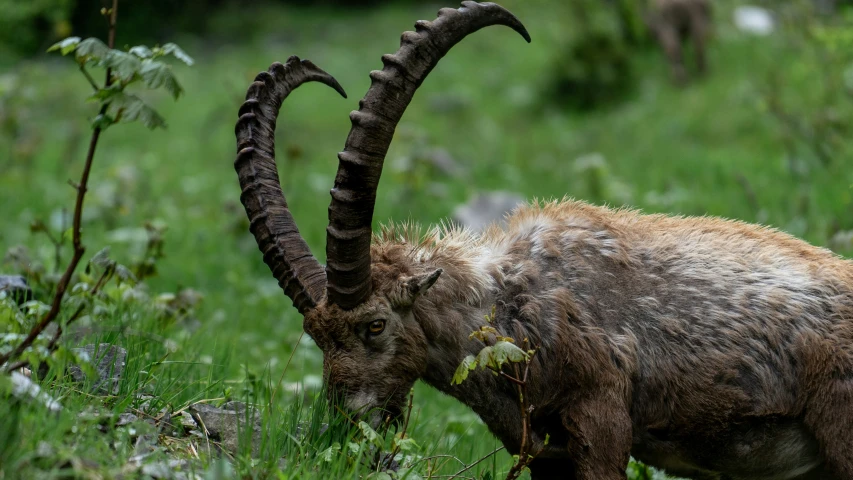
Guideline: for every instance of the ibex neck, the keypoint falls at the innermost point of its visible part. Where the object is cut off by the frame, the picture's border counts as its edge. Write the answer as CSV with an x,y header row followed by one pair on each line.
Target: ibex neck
x,y
457,305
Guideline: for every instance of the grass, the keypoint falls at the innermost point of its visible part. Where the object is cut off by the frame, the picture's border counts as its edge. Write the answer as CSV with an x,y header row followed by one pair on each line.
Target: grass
x,y
711,149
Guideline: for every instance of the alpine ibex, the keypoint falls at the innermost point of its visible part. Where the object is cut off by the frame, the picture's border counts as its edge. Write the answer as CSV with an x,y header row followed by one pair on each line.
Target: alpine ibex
x,y
714,349
674,23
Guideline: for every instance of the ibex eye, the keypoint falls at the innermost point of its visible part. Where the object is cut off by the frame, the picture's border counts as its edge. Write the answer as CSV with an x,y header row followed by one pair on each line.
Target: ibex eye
x,y
376,327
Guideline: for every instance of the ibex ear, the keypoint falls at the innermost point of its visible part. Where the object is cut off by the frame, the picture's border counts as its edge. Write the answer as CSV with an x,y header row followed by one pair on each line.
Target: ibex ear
x,y
412,287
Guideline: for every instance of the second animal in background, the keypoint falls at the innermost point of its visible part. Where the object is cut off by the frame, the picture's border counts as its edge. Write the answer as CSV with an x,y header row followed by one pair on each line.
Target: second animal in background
x,y
676,24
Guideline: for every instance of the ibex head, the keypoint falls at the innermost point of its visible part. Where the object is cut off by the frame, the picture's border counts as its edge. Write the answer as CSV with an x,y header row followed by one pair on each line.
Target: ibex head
x,y
357,309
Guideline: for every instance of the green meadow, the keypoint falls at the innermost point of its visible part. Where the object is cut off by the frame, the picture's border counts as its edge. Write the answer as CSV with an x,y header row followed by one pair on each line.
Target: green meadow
x,y
764,137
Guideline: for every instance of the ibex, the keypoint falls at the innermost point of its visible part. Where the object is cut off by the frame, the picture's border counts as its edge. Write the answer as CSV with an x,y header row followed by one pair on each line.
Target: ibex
x,y
674,23
711,348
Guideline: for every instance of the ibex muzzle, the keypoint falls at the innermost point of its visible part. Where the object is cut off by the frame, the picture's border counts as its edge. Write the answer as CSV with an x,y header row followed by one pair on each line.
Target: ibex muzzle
x,y
711,348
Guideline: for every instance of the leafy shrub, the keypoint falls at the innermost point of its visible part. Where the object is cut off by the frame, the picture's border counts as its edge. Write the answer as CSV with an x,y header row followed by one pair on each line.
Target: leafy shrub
x,y
27,26
593,67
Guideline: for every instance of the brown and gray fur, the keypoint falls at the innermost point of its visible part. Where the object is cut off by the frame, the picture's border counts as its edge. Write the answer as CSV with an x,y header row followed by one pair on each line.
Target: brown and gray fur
x,y
677,23
710,348
715,349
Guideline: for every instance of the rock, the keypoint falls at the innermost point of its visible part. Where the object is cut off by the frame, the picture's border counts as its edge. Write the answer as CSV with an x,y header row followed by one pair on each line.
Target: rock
x,y
441,160
16,287
24,389
126,419
755,20
486,208
187,421
448,102
429,161
145,445
841,241
109,361
227,425
157,470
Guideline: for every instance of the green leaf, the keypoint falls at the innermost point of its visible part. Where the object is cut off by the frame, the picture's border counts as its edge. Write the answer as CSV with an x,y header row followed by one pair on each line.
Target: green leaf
x,y
102,258
328,454
124,274
158,74
126,108
105,93
370,434
503,352
407,444
468,363
174,50
65,46
141,51
409,474
102,121
379,476
124,65
91,49
485,358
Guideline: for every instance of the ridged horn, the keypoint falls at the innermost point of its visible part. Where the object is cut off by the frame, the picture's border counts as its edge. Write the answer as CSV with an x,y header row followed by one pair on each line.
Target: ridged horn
x,y
299,274
360,164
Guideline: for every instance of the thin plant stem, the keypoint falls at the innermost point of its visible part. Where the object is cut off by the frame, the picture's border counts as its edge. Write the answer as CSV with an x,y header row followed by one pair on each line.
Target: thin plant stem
x,y
77,241
108,272
89,78
289,359
469,467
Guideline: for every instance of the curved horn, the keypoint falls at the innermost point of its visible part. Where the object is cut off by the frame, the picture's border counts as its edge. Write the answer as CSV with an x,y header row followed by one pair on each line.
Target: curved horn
x,y
299,274
360,164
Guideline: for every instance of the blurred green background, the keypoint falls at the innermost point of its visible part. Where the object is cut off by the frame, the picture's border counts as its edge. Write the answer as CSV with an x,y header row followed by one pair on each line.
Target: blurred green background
x,y
764,137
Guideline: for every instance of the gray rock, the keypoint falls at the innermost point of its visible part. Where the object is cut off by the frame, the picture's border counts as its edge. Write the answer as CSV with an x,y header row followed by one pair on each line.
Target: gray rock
x,y
187,421
228,425
16,287
441,160
157,470
448,103
754,20
126,419
109,361
486,208
145,445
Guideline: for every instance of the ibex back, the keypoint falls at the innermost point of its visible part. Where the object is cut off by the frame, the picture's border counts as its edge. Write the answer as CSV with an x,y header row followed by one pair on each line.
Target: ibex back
x,y
711,348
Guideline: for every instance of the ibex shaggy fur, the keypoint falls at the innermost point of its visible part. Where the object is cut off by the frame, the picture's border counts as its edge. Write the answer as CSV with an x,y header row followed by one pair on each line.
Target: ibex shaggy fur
x,y
675,23
711,348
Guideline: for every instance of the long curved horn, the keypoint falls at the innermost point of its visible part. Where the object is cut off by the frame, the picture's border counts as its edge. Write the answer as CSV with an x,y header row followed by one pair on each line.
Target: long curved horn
x,y
360,164
299,274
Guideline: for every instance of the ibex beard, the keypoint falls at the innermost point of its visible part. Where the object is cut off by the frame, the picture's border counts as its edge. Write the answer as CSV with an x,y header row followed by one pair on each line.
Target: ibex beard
x,y
713,349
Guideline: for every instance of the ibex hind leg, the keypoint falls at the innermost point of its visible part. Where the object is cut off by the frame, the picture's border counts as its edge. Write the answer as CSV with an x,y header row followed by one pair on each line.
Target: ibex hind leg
x,y
830,418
